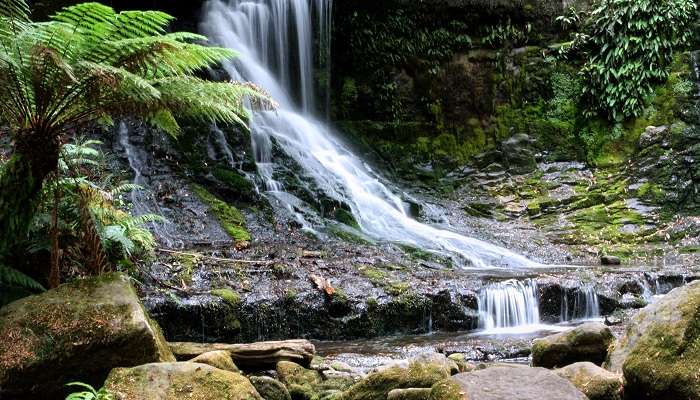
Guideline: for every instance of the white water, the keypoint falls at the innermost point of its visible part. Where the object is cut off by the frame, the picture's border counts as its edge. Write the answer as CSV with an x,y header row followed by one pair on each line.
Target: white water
x,y
512,307
275,40
144,201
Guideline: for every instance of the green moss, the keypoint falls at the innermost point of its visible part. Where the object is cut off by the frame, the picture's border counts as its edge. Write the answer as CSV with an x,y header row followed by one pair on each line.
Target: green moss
x,y
228,216
446,390
346,217
228,295
347,235
188,262
377,385
302,383
651,192
375,275
233,180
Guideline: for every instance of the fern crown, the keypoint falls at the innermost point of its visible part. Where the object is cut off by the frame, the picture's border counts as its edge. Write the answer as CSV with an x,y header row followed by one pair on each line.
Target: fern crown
x,y
90,63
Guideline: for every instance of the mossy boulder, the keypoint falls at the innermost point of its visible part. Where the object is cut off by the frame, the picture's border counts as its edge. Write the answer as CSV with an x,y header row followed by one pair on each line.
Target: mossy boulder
x,y
409,394
269,388
595,382
377,385
302,383
587,342
446,390
659,353
220,359
76,332
175,381
516,382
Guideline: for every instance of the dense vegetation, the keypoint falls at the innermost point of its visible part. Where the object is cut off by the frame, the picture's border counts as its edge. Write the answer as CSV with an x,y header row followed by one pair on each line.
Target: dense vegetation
x,y
85,67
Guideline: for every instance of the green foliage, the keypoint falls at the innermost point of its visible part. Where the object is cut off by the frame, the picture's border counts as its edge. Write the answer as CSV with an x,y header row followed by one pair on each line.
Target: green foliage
x,y
90,63
629,49
89,393
506,34
86,189
10,277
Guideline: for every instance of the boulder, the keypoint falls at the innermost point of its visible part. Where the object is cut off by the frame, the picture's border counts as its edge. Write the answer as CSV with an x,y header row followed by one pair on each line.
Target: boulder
x,y
252,355
438,359
269,388
659,352
302,383
610,260
595,382
76,332
409,394
175,381
518,154
587,342
446,389
377,385
521,383
220,359
652,135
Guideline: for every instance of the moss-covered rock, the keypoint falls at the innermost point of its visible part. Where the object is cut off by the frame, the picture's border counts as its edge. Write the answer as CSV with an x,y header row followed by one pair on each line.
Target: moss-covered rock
x,y
228,216
175,381
409,394
76,332
302,383
269,388
595,382
446,390
220,359
377,385
588,342
659,353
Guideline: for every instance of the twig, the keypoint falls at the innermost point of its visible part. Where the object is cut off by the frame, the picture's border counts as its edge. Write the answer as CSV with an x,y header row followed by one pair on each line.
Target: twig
x,y
230,260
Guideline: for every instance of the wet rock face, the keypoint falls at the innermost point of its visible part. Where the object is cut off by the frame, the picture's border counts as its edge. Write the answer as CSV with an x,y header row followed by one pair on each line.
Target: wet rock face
x,y
658,353
516,382
77,332
666,166
174,381
588,342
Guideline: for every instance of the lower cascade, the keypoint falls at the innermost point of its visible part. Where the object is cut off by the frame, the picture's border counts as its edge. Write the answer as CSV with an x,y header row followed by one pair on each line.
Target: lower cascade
x,y
263,32
509,304
515,304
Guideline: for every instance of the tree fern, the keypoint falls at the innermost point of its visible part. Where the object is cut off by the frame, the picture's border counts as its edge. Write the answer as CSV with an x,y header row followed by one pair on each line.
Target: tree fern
x,y
86,66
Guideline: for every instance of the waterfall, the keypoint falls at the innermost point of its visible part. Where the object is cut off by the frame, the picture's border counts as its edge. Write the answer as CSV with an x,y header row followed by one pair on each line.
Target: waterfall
x,y
509,304
143,200
585,305
275,41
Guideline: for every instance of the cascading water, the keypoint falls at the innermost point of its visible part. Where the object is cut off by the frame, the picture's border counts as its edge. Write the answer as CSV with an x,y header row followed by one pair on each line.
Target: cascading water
x,y
143,200
274,39
509,304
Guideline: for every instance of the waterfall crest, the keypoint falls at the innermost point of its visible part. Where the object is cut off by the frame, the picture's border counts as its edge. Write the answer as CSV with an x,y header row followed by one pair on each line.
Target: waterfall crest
x,y
275,40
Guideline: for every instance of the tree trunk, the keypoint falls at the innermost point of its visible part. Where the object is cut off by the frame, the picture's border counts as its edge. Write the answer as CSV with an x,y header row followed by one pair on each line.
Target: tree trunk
x,y
21,181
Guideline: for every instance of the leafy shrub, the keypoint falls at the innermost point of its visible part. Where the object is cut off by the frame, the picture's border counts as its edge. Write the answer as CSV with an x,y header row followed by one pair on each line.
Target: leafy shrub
x,y
629,47
90,205
89,393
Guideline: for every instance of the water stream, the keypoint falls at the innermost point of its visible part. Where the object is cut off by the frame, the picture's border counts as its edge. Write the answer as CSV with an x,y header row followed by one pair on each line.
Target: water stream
x,y
275,40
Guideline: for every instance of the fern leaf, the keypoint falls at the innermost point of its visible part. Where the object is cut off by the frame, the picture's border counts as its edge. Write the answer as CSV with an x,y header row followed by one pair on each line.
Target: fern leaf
x,y
12,277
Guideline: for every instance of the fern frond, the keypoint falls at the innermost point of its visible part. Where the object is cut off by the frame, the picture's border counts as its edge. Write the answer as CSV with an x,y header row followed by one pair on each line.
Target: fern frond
x,y
12,277
14,9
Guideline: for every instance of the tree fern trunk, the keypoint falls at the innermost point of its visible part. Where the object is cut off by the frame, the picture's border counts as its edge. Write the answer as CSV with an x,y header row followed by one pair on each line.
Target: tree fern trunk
x,y
21,181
